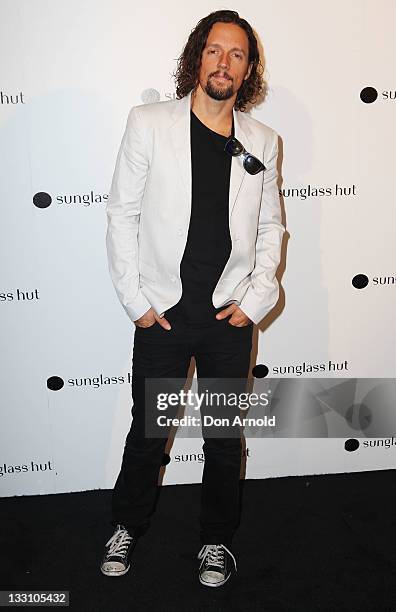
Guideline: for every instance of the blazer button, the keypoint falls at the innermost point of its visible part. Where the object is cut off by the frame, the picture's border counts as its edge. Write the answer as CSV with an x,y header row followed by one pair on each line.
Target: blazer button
x,y
173,278
180,232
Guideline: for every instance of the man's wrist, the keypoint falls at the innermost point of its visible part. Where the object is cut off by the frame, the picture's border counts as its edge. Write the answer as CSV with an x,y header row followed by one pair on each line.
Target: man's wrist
x,y
138,307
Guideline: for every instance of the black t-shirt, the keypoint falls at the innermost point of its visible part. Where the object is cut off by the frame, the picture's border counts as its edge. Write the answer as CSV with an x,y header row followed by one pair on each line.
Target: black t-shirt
x,y
208,244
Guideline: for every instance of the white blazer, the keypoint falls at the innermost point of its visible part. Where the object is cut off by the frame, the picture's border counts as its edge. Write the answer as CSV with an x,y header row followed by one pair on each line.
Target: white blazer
x,y
149,205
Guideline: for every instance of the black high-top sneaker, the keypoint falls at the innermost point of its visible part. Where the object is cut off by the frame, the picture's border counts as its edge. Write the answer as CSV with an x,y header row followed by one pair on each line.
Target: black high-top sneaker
x,y
116,561
216,566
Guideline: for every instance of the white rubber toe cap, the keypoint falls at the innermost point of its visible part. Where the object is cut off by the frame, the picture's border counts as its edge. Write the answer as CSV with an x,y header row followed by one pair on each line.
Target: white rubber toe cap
x,y
212,576
114,568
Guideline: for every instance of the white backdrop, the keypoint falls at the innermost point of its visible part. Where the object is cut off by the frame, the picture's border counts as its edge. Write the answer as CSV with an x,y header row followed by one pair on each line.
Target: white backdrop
x,y
70,71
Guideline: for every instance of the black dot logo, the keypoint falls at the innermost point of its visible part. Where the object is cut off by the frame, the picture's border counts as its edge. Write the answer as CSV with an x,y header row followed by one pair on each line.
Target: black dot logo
x,y
165,459
368,95
54,383
260,371
360,281
41,199
351,445
149,96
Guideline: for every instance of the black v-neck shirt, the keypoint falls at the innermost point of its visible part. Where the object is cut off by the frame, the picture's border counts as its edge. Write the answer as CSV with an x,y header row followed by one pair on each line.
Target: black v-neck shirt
x,y
208,244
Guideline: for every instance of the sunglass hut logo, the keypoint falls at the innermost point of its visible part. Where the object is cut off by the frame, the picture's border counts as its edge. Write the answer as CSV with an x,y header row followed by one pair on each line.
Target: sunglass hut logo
x,y
368,95
8,98
151,95
354,444
361,281
319,191
43,199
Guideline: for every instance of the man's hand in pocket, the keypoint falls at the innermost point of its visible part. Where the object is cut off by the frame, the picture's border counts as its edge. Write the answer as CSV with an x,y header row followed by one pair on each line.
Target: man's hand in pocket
x,y
149,318
238,317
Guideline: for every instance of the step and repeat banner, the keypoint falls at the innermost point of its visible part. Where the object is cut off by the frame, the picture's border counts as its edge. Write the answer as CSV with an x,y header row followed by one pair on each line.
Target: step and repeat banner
x,y
70,72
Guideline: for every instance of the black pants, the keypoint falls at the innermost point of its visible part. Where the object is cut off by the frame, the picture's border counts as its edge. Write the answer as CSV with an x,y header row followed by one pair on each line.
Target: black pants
x,y
220,350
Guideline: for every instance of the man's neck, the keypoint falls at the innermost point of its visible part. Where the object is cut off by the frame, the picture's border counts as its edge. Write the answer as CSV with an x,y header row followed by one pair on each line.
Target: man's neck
x,y
215,114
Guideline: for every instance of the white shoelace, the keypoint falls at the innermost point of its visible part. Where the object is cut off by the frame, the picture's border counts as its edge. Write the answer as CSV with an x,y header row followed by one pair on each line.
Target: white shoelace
x,y
119,543
213,554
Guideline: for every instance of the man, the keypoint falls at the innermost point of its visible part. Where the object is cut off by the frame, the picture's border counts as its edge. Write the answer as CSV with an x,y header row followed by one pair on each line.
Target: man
x,y
194,241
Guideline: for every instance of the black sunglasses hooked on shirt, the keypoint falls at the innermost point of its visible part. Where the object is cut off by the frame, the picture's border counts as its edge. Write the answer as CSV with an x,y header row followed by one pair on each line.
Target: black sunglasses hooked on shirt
x,y
251,164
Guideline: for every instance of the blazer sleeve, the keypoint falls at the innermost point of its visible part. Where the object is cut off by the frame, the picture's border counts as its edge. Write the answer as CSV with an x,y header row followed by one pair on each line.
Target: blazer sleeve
x,y
263,292
123,214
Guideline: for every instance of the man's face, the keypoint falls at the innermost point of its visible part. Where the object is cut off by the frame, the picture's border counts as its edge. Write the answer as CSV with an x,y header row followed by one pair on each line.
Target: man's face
x,y
224,61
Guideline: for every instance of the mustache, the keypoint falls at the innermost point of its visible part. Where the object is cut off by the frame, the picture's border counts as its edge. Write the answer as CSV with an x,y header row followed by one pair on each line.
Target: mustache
x,y
216,74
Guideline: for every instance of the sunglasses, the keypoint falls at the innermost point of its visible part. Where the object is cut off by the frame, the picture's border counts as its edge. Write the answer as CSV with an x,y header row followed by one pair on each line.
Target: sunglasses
x,y
251,164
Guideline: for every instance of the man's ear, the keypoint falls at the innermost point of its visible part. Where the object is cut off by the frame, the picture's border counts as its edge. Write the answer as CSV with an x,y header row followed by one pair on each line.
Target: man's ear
x,y
248,71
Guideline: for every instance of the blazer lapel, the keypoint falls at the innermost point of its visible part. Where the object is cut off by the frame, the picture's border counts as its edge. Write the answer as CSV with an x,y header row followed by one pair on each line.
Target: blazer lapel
x,y
238,172
181,141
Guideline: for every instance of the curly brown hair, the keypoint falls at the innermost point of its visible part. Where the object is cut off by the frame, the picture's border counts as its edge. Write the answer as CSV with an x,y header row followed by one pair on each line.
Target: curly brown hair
x,y
188,64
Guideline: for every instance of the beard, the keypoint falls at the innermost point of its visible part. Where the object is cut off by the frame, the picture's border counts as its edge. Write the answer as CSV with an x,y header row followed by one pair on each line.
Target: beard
x,y
218,93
